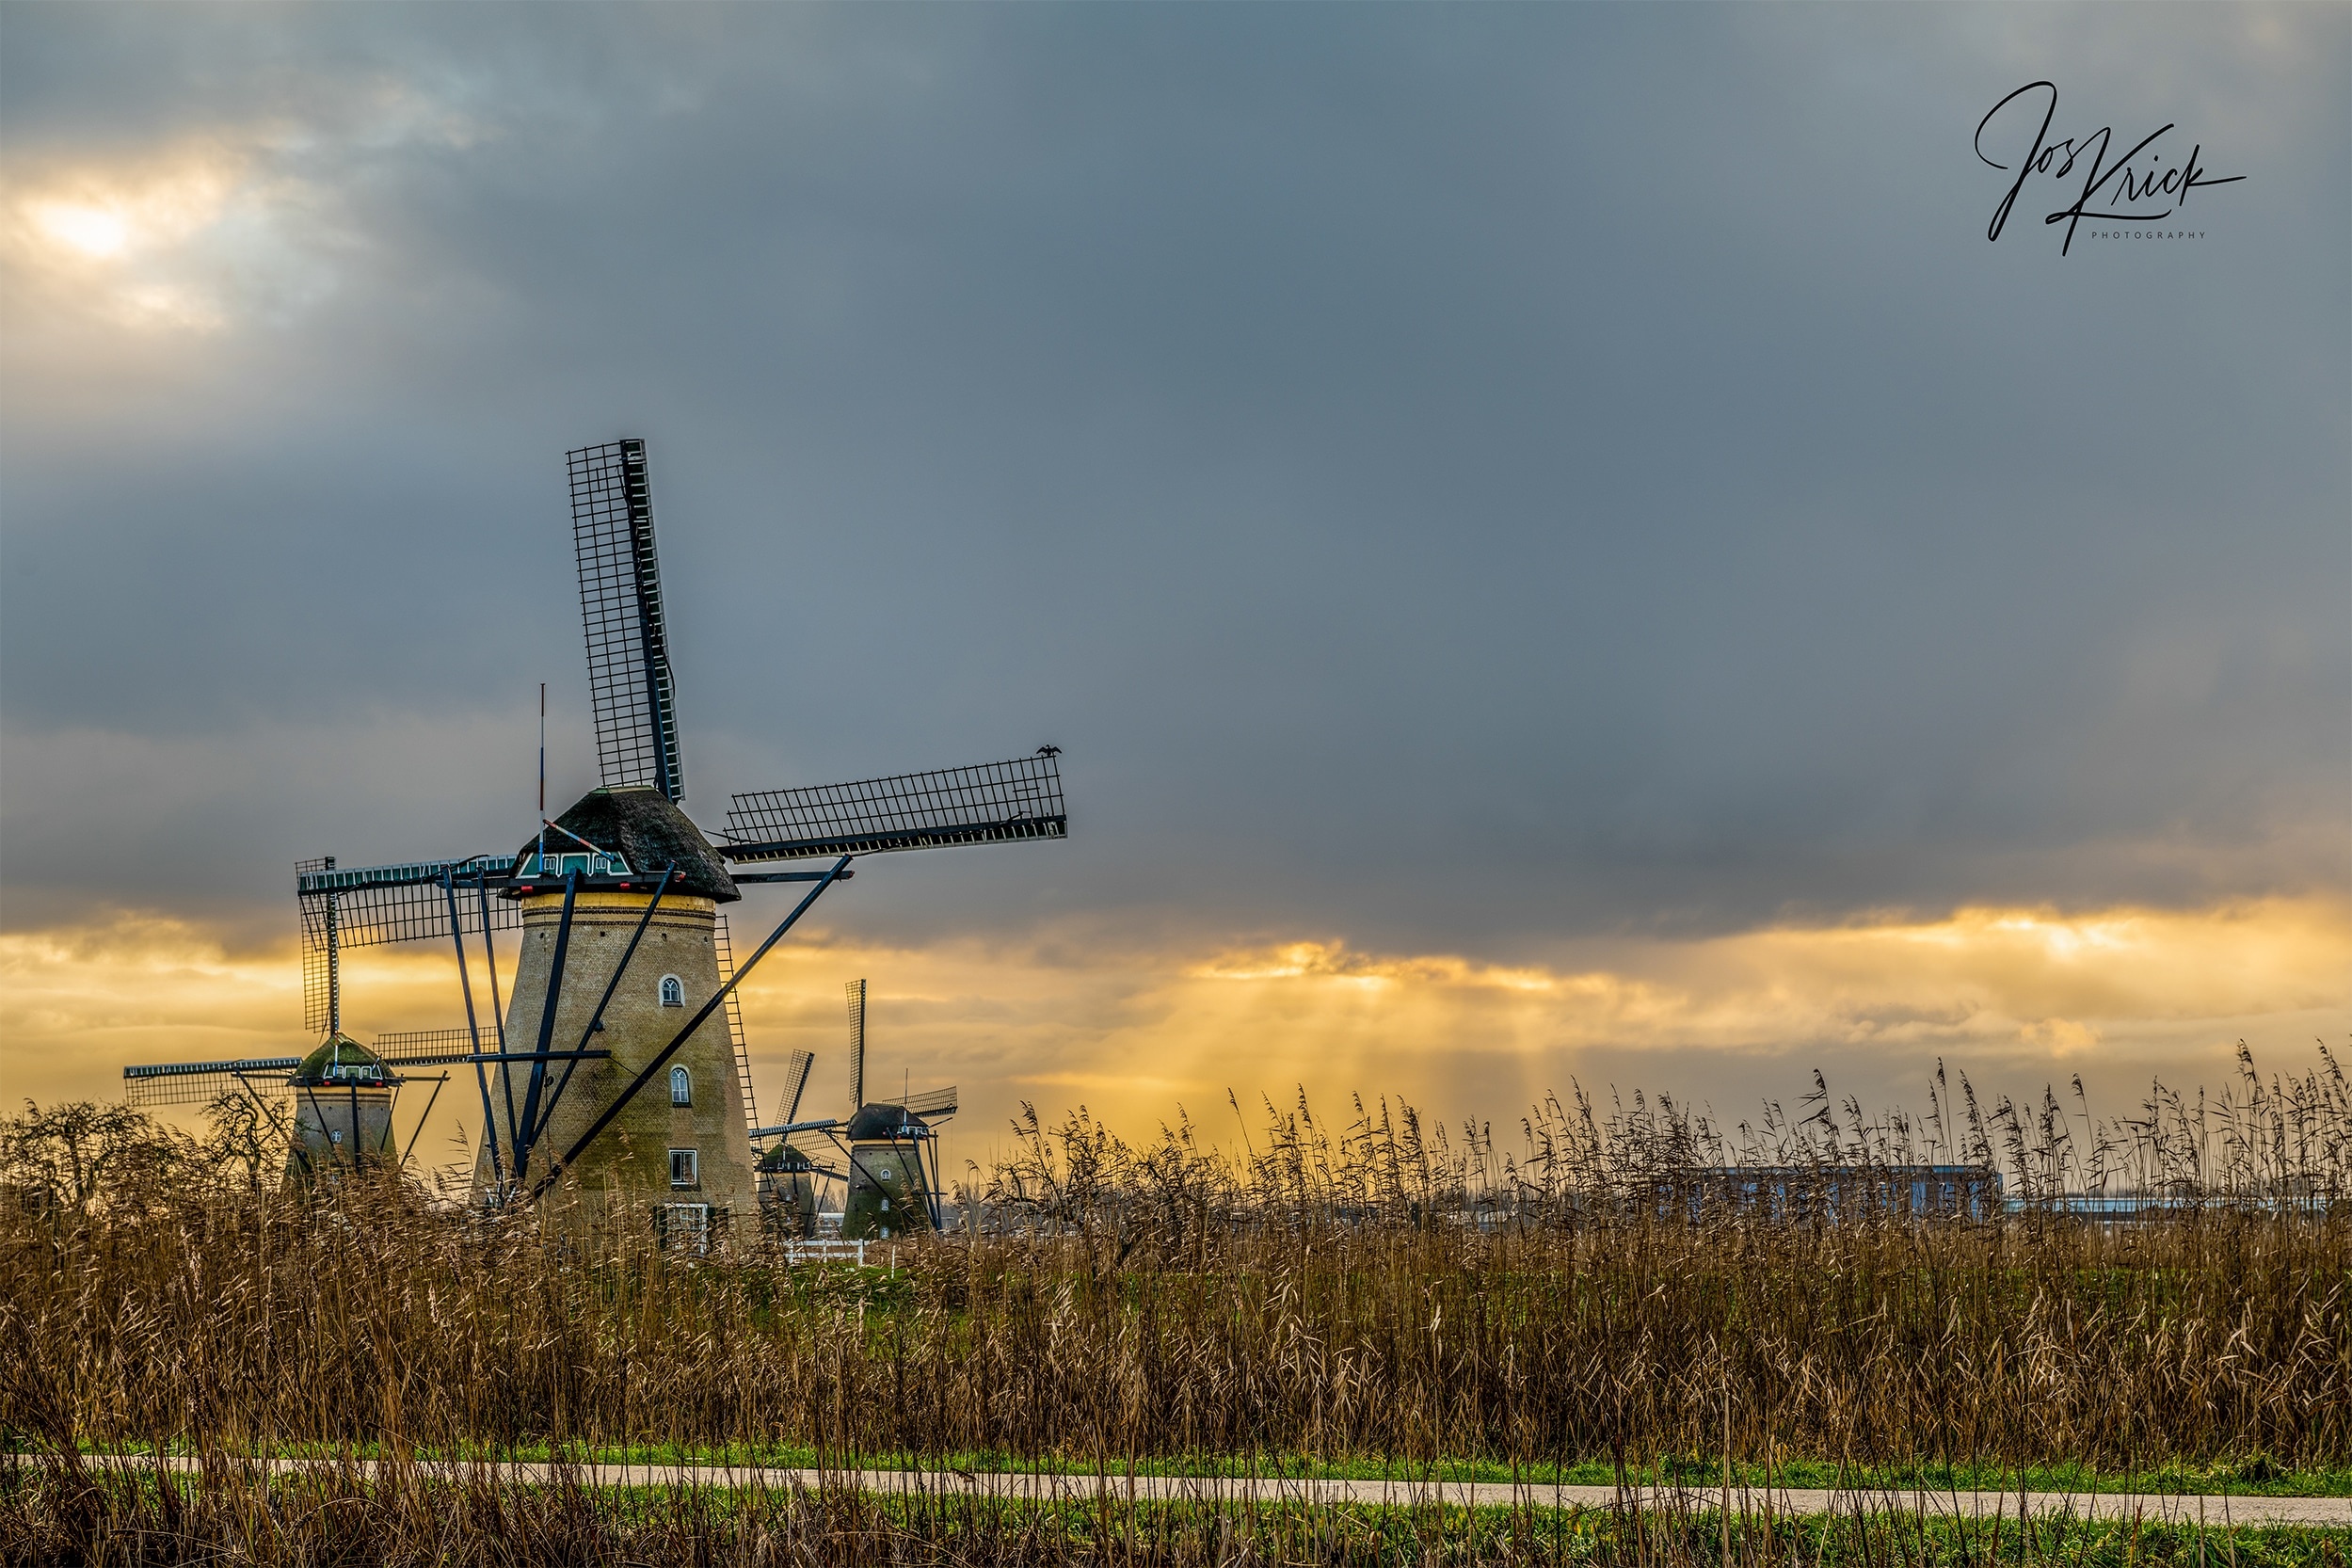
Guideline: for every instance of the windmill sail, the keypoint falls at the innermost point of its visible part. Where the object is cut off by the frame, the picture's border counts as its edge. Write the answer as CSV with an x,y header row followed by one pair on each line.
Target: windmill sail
x,y
430,1047
368,905
856,990
196,1082
796,1082
991,803
620,604
935,1105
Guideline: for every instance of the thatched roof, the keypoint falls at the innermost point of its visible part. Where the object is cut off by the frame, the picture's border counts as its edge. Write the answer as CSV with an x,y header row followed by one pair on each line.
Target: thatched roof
x,y
648,832
879,1122
336,1058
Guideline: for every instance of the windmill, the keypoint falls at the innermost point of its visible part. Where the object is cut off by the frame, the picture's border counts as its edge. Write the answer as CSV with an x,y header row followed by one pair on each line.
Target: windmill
x,y
342,1095
624,978
893,1151
786,1173
890,1150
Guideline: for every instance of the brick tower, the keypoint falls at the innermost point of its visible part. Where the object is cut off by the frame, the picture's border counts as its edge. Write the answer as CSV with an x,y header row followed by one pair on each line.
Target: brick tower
x,y
684,1138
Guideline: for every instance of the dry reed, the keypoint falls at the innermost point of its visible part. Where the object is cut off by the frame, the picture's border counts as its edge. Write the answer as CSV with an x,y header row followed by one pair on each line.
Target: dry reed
x,y
1361,1293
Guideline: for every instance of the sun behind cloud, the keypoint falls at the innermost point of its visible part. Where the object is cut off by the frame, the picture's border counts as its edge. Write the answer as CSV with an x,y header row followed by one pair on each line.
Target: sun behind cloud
x,y
165,244
95,231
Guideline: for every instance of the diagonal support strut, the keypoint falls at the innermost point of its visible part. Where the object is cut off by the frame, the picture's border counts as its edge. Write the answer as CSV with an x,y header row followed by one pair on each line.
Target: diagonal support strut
x,y
528,1134
654,1066
595,1019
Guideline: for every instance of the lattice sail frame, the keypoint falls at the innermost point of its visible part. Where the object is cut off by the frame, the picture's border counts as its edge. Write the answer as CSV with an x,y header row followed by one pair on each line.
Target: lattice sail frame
x,y
990,803
201,1082
371,905
629,687
796,1069
933,1104
854,993
430,1048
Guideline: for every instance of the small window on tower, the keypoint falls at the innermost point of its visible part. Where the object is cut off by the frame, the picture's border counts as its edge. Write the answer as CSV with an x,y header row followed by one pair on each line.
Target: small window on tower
x,y
681,1086
673,991
685,1168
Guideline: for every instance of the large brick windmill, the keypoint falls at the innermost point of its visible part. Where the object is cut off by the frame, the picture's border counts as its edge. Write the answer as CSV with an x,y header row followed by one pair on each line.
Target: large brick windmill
x,y
620,1057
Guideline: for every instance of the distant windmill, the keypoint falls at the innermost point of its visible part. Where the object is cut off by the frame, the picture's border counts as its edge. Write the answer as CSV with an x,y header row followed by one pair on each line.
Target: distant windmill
x,y
342,1096
893,1151
890,1150
625,979
786,1173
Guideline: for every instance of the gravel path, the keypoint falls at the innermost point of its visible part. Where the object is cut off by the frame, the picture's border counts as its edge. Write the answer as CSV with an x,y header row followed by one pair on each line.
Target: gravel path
x,y
2212,1510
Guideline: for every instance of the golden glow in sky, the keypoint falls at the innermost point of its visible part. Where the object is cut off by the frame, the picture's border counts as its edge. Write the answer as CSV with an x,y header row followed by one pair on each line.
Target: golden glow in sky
x,y
189,241
95,231
2114,995
224,226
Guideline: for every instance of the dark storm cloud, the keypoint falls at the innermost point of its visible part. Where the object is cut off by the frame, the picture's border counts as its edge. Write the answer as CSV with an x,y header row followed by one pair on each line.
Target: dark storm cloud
x,y
1445,476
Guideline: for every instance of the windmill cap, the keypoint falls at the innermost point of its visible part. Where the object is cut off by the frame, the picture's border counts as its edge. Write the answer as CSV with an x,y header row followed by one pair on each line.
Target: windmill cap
x,y
785,1157
338,1058
880,1121
641,824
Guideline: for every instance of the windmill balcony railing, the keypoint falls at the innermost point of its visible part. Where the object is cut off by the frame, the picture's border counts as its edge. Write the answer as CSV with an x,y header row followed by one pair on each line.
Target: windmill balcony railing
x,y
556,864
409,873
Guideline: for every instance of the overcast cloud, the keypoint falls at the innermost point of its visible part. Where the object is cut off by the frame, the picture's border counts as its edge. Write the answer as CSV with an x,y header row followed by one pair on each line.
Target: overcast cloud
x,y
1452,479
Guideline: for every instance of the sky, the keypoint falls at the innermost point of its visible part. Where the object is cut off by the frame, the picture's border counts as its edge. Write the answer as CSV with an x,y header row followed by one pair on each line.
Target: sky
x,y
1555,545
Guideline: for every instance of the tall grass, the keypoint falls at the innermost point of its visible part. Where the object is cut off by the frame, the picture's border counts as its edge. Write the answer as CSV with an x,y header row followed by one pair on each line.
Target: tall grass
x,y
377,1319
1357,1292
1364,1293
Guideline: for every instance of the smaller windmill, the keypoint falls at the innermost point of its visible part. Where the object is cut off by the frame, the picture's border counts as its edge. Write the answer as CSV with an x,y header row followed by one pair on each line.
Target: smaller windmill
x,y
893,1151
787,1175
890,1150
342,1093
342,1096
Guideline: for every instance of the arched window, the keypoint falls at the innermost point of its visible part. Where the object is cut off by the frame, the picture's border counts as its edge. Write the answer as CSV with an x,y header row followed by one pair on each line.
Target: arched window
x,y
673,991
682,1087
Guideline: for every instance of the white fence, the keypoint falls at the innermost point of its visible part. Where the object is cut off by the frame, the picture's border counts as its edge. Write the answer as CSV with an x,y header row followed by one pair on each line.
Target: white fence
x,y
825,1251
